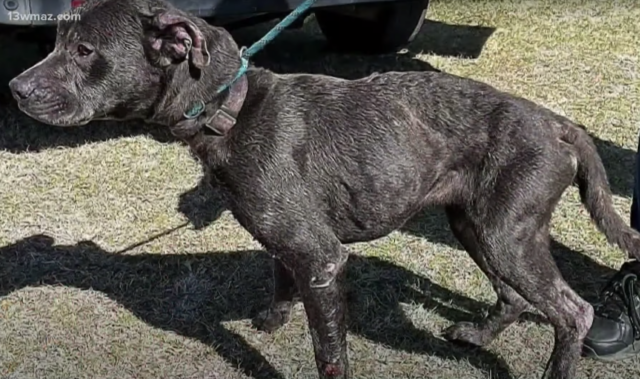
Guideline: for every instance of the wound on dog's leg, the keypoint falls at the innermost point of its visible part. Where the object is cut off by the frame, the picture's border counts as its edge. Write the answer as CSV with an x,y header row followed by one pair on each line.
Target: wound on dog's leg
x,y
321,285
332,370
326,277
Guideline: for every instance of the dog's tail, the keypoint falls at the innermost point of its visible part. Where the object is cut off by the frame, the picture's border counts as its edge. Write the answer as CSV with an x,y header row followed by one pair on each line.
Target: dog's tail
x,y
595,192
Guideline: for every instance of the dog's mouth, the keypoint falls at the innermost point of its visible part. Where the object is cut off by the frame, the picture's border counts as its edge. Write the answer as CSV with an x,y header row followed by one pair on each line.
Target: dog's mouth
x,y
54,113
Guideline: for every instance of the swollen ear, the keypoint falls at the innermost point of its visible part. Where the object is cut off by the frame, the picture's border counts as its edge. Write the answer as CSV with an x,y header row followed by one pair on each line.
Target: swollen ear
x,y
174,38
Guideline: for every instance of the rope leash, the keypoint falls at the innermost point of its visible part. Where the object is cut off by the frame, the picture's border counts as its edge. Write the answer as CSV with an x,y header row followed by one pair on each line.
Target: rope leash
x,y
247,53
152,238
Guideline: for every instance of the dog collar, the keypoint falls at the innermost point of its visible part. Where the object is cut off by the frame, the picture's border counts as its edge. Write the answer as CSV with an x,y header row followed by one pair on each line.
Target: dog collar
x,y
225,117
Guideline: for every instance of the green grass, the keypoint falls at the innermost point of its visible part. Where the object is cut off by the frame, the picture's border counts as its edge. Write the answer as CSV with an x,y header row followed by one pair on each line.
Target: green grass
x,y
76,303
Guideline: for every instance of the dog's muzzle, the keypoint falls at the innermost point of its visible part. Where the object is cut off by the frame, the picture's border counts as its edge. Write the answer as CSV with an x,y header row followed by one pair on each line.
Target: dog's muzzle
x,y
42,101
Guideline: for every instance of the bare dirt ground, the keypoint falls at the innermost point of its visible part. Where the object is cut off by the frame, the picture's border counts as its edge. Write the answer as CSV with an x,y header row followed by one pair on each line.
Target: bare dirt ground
x,y
75,302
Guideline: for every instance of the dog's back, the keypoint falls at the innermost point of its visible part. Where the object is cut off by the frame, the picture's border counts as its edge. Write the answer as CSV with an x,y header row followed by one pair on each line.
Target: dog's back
x,y
370,153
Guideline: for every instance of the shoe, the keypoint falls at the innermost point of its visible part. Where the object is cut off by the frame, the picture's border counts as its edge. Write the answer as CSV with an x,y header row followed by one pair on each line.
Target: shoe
x,y
615,332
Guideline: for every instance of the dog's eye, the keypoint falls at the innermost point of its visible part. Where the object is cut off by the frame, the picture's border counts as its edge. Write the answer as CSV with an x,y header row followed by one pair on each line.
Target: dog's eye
x,y
84,50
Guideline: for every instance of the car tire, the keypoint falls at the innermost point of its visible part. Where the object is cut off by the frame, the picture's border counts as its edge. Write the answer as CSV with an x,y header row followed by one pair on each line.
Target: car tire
x,y
394,25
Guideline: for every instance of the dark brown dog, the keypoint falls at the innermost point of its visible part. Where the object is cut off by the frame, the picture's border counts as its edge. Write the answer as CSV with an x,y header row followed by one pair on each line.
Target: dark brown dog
x,y
311,162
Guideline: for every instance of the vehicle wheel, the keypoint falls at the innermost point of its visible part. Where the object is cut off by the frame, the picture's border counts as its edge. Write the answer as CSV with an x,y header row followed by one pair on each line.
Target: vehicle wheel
x,y
373,28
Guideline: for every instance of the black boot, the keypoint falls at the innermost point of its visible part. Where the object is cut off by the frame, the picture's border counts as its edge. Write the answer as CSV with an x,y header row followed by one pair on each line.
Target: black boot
x,y
615,333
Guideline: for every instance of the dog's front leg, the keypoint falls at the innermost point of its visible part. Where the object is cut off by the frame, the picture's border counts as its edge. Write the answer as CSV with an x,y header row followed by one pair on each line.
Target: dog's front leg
x,y
320,278
279,312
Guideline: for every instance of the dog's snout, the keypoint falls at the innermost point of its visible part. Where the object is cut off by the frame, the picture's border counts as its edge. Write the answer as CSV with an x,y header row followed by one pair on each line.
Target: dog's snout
x,y
21,88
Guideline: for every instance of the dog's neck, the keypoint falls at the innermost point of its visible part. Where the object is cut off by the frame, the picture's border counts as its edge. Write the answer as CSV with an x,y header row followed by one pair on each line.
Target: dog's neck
x,y
199,86
215,118
196,109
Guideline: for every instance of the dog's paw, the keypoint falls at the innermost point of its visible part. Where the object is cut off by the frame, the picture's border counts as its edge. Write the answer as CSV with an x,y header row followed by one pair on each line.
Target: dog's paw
x,y
271,320
467,333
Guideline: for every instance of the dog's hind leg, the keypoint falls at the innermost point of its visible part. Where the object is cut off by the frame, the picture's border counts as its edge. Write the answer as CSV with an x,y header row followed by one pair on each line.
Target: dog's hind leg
x,y
527,266
510,221
512,229
279,312
509,305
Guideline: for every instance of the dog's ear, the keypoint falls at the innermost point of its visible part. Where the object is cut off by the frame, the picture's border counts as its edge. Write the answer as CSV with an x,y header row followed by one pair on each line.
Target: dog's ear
x,y
174,37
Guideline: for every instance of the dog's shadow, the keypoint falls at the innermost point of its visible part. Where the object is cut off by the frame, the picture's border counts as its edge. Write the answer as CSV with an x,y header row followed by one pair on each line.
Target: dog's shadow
x,y
193,294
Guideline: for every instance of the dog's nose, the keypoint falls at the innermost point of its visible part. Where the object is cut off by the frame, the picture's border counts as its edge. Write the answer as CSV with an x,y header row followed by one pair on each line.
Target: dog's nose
x,y
21,88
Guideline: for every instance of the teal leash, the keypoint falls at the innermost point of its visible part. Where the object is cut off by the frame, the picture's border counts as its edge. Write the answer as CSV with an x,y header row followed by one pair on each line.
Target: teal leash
x,y
247,53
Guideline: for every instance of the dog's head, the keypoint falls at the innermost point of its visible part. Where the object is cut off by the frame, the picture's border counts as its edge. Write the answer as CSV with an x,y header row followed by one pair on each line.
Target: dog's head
x,y
117,59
